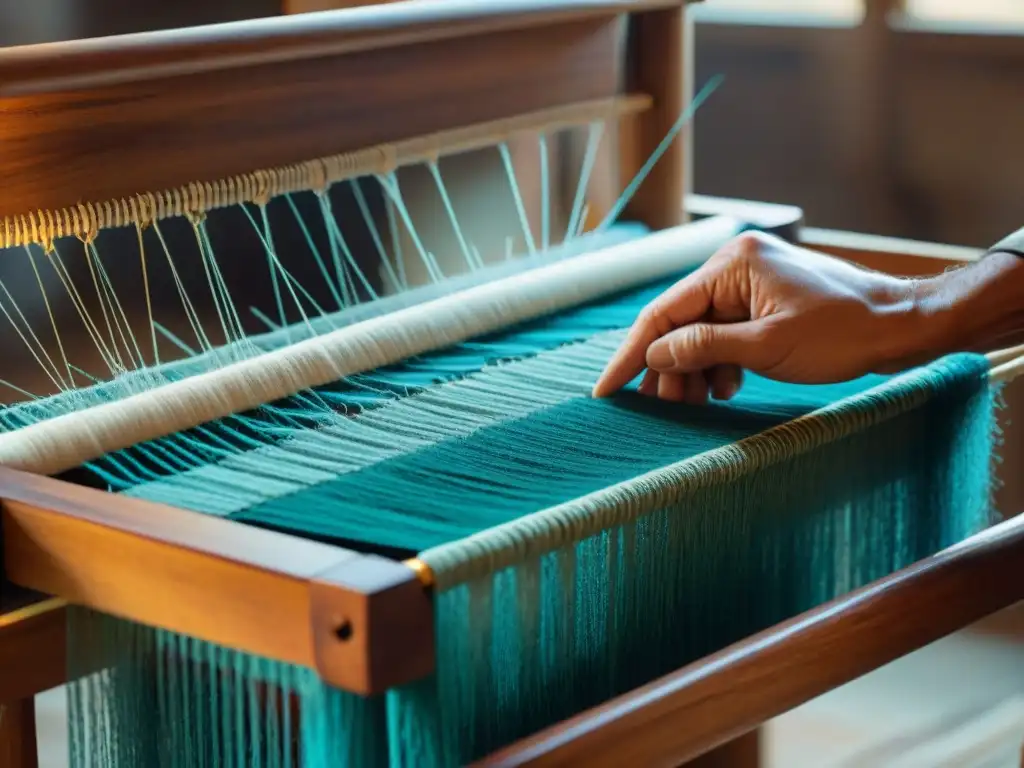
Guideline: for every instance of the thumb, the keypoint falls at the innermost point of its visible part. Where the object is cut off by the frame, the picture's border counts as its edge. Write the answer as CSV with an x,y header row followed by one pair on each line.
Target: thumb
x,y
700,346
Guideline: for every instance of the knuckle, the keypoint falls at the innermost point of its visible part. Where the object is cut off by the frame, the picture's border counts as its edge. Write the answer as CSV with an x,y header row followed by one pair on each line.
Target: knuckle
x,y
653,317
692,347
747,246
702,337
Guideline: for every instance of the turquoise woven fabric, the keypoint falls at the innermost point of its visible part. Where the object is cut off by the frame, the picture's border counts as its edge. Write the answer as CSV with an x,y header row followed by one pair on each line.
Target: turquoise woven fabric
x,y
461,486
685,565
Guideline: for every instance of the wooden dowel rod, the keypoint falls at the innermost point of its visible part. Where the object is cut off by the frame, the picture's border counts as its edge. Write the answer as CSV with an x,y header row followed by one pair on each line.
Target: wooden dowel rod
x,y
260,185
1008,371
1008,355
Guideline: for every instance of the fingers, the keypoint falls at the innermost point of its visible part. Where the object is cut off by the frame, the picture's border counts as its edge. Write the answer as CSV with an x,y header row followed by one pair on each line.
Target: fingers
x,y
719,383
685,302
672,388
701,346
649,384
725,381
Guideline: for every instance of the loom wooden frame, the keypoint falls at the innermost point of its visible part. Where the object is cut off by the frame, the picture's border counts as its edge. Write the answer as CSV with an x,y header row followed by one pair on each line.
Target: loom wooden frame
x,y
364,623
325,607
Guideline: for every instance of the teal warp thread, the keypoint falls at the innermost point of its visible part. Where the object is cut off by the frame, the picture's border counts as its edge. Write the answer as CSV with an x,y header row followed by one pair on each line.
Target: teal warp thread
x,y
221,467
275,423
541,613
307,457
572,606
778,422
140,696
458,487
875,484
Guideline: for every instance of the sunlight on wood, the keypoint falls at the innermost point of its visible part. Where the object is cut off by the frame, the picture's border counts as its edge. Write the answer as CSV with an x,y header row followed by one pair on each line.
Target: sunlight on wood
x,y
977,12
832,10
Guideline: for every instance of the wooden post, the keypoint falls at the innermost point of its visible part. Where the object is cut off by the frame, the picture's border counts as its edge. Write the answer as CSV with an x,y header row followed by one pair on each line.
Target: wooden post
x,y
18,748
742,752
657,64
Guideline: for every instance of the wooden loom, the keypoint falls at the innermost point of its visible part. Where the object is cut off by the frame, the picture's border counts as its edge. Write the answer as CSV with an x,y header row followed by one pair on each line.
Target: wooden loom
x,y
364,622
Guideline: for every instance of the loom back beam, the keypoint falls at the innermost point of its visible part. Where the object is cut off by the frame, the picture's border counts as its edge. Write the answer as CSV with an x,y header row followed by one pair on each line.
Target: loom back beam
x,y
109,119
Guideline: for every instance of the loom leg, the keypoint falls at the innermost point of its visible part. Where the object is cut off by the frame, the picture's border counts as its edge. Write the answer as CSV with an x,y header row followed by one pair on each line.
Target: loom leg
x,y
18,747
742,752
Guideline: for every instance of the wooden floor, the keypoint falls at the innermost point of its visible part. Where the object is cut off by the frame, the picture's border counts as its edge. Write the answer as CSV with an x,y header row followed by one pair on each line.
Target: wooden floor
x,y
964,691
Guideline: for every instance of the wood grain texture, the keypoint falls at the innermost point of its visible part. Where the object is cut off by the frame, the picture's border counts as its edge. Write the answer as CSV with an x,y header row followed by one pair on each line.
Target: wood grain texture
x,y
266,593
121,139
375,607
656,61
33,656
316,6
896,256
707,704
246,44
744,751
18,747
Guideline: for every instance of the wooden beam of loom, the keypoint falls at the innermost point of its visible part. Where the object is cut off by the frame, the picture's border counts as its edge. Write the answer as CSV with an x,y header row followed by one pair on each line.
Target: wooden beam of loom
x,y
100,120
363,622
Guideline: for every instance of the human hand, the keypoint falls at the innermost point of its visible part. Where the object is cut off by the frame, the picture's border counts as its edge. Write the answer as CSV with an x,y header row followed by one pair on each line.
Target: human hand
x,y
778,310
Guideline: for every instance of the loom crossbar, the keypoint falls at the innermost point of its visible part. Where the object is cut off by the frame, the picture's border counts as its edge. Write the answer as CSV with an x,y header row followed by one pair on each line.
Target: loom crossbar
x,y
363,622
234,45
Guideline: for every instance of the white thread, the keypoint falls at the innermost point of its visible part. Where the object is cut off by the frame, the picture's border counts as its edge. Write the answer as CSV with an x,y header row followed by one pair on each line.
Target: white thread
x,y
1008,371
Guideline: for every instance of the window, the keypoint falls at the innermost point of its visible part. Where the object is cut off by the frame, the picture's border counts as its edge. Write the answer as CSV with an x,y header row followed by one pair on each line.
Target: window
x,y
966,12
781,11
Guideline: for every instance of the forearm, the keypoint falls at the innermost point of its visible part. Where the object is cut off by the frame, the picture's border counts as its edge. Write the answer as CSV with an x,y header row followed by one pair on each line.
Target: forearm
x,y
978,308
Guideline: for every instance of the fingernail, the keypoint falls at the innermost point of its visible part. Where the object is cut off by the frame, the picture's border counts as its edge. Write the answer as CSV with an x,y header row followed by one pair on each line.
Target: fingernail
x,y
659,356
